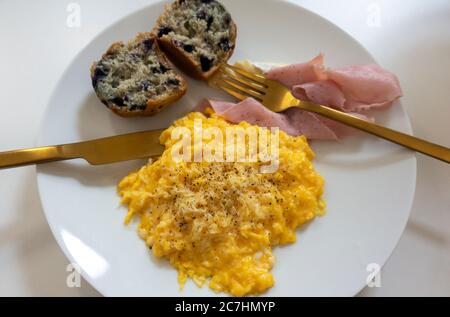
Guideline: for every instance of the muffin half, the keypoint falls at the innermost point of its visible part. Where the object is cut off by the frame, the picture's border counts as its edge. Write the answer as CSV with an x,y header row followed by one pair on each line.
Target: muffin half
x,y
197,35
136,79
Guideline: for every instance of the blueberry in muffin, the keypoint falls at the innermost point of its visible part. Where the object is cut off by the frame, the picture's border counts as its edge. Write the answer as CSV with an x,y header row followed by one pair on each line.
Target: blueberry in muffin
x,y
197,35
136,79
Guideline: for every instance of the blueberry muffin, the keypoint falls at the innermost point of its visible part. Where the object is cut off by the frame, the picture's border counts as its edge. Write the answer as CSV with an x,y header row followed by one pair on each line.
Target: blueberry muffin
x,y
197,35
136,79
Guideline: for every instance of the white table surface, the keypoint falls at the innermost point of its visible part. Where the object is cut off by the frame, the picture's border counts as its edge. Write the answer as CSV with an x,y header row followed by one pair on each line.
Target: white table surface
x,y
411,38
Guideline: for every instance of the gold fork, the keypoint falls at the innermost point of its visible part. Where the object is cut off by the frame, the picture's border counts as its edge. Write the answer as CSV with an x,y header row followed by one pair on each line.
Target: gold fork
x,y
276,97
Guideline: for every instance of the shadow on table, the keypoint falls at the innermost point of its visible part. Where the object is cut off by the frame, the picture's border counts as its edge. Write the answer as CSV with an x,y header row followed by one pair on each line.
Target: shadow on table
x,y
40,263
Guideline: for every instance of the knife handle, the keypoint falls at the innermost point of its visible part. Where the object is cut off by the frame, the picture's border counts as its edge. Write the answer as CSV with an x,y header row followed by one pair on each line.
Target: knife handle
x,y
36,155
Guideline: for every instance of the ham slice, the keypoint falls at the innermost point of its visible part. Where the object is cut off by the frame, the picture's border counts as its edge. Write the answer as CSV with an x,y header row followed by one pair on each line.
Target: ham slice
x,y
293,121
310,125
298,74
252,112
353,89
366,86
323,92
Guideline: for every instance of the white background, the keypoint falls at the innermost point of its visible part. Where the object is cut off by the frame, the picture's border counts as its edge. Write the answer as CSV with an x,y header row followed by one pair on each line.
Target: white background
x,y
411,38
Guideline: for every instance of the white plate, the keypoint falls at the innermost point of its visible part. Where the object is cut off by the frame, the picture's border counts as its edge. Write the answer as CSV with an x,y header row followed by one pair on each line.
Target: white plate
x,y
369,191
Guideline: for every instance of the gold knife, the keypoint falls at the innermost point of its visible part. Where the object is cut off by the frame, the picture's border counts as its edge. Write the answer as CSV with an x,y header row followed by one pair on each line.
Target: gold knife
x,y
119,148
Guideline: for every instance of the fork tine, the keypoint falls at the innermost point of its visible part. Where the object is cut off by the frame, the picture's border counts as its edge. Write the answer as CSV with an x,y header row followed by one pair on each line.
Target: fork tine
x,y
243,80
233,93
235,90
242,85
247,91
254,77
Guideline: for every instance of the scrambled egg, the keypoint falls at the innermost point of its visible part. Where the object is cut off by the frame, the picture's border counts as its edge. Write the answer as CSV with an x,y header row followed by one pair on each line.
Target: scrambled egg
x,y
217,222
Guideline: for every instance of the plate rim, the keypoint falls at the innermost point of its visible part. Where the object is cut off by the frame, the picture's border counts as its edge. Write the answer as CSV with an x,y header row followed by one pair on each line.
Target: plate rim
x,y
38,174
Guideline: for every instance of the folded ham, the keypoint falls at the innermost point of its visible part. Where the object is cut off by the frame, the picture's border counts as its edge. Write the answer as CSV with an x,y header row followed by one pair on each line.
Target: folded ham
x,y
297,74
366,86
324,92
353,89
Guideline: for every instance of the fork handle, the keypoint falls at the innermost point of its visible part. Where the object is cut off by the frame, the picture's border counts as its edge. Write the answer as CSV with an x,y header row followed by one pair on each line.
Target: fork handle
x,y
437,151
